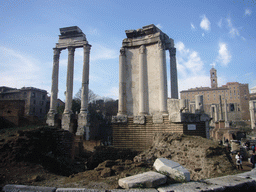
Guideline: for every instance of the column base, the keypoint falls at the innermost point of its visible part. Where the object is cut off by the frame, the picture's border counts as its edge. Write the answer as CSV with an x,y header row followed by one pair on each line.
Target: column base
x,y
67,122
52,118
226,124
83,125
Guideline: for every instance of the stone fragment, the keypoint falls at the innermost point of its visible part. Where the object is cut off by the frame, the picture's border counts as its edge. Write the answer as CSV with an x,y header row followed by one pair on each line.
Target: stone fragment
x,y
20,188
148,179
79,190
173,169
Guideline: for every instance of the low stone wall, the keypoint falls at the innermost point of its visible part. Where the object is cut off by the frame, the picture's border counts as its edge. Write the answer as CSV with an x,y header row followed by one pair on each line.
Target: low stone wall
x,y
140,136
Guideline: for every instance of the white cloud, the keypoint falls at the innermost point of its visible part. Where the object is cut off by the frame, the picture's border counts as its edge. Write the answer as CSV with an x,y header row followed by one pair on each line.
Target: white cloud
x,y
205,23
93,31
190,68
224,56
100,52
159,26
247,12
180,46
203,34
220,23
19,69
233,31
113,93
192,26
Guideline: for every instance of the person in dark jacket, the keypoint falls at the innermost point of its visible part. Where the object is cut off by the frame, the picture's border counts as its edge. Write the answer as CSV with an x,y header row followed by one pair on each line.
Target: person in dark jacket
x,y
253,159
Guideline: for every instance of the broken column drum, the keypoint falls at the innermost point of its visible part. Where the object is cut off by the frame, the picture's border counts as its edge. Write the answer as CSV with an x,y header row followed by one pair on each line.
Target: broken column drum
x,y
142,72
70,38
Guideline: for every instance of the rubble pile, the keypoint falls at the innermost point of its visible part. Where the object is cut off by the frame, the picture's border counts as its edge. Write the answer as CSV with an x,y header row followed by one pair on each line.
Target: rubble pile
x,y
203,158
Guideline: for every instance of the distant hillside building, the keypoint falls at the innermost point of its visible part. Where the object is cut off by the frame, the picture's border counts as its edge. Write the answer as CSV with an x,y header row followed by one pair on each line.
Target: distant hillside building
x,y
35,102
236,94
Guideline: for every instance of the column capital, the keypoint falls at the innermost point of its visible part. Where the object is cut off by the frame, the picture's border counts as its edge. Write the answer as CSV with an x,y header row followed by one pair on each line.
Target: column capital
x,y
87,48
122,51
172,52
71,50
56,51
142,49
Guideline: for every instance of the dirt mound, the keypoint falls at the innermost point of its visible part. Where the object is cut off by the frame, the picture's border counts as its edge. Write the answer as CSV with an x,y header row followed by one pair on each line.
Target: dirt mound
x,y
41,157
103,153
202,157
45,146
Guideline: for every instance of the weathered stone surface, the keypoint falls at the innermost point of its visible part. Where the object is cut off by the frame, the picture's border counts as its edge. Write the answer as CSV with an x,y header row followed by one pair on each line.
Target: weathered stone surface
x,y
18,188
186,187
174,108
250,174
158,118
174,170
139,119
134,190
119,119
79,190
149,179
230,183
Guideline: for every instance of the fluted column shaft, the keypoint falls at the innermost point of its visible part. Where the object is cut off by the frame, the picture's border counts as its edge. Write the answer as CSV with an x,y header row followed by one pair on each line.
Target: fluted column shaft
x,y
70,74
174,77
142,80
122,84
221,112
226,113
85,79
252,114
163,80
55,80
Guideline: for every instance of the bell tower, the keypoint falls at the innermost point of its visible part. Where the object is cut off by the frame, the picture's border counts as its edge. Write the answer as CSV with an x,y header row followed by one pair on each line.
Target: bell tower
x,y
213,74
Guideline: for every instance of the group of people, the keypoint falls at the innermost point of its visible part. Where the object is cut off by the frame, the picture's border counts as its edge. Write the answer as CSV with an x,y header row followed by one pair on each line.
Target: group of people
x,y
239,157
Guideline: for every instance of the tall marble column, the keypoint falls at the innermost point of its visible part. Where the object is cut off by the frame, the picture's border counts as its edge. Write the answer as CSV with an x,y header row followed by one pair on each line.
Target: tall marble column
x,y
70,78
173,74
163,80
252,113
226,113
142,80
122,83
82,117
85,79
221,112
54,90
199,103
67,116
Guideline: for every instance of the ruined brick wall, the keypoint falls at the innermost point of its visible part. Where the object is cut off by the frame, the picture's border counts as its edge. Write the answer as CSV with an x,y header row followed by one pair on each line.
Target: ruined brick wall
x,y
140,136
12,111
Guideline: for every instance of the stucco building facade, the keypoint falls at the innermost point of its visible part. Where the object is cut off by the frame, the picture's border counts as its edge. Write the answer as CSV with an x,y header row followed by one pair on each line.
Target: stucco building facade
x,y
35,100
236,95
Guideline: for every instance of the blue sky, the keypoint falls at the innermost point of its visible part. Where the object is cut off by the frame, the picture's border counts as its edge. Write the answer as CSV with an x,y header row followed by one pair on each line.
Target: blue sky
x,y
206,33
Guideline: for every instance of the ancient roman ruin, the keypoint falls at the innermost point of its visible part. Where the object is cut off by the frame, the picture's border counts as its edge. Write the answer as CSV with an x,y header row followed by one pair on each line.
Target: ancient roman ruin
x,y
144,107
142,72
70,38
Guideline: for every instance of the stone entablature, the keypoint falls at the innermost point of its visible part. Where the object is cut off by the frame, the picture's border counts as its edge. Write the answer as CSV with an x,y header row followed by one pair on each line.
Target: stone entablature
x,y
148,35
